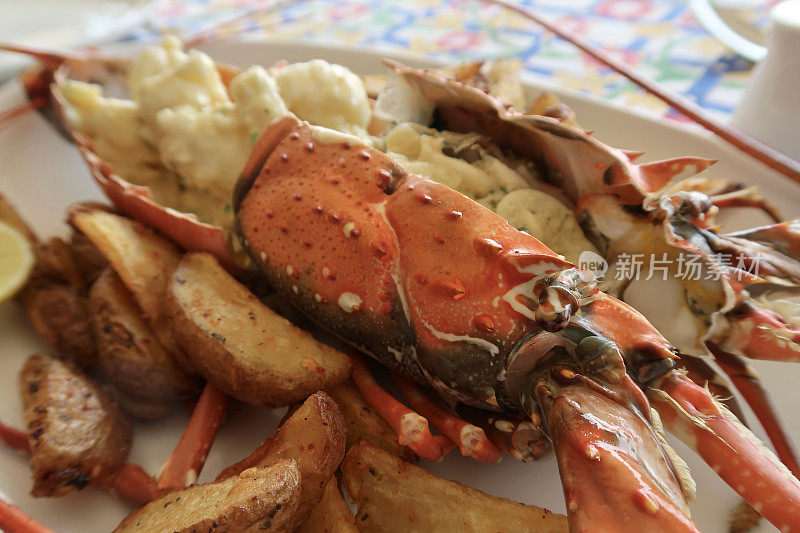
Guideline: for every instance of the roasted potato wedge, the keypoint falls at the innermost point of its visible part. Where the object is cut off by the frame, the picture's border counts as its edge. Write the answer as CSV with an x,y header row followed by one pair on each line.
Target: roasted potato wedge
x,y
240,345
393,495
77,434
54,299
55,263
314,437
331,515
364,423
87,258
130,357
143,259
258,499
59,314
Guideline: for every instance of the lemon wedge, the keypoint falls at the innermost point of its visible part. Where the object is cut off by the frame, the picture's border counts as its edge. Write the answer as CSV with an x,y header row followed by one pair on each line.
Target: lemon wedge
x,y
16,261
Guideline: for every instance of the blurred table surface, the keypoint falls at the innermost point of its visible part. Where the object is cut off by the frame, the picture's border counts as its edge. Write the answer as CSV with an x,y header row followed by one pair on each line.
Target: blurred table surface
x,y
659,37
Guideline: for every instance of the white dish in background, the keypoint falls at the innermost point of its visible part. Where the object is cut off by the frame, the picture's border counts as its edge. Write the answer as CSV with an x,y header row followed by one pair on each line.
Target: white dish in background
x,y
770,108
42,174
64,24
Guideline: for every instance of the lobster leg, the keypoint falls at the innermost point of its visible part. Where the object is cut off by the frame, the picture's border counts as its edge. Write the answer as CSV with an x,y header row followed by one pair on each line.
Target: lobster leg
x,y
15,439
184,465
749,384
446,444
130,482
615,472
749,197
523,440
692,414
411,428
12,518
10,114
471,439
701,372
761,333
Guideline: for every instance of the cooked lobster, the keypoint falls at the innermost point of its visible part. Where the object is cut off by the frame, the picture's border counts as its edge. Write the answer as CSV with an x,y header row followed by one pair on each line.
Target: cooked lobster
x,y
447,294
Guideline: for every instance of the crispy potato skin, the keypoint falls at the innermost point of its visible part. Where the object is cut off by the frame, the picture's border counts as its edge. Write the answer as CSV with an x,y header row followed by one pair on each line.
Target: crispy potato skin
x,y
364,423
142,373
54,299
258,499
77,434
143,259
331,515
55,263
58,313
314,436
88,260
240,345
393,495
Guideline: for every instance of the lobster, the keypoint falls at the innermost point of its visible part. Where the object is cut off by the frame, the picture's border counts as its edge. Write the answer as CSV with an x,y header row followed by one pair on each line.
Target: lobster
x,y
447,294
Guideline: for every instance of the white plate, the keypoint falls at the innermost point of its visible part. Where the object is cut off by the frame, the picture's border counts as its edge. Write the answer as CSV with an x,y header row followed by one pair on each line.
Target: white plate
x,y
60,24
42,174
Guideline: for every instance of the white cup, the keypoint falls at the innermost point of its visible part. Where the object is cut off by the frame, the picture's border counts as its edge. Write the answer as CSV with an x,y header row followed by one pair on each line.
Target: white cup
x,y
770,107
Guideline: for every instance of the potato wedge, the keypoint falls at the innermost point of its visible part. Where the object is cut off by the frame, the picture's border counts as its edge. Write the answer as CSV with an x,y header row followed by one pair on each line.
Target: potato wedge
x,y
59,314
331,515
87,258
393,495
77,434
54,300
364,423
240,345
143,259
314,437
131,358
55,263
258,499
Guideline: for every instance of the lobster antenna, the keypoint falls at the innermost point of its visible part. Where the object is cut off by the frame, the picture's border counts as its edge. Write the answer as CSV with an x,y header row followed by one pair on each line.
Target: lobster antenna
x,y
744,142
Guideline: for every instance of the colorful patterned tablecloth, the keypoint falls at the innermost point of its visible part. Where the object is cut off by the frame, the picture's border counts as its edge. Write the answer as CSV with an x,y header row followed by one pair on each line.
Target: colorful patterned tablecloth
x,y
660,37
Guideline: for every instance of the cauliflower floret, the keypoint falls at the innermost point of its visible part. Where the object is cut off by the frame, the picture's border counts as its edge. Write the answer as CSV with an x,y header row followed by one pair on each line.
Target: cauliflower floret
x,y
326,95
112,125
547,219
165,77
206,147
154,60
257,99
